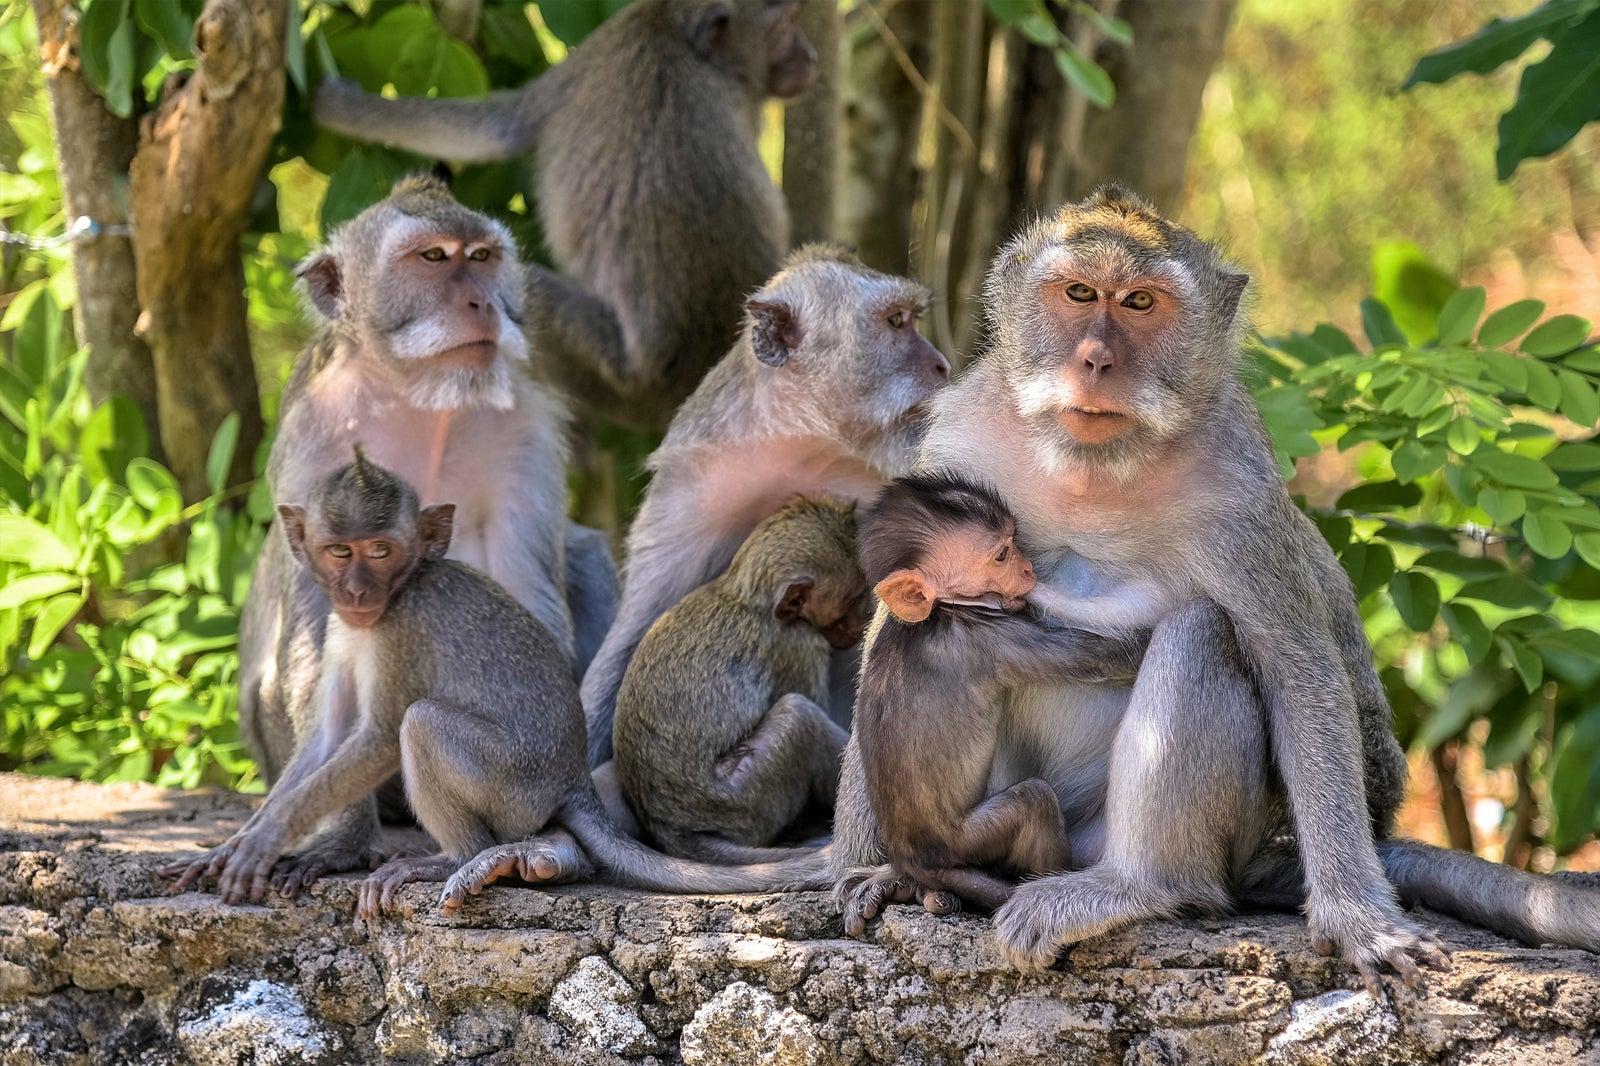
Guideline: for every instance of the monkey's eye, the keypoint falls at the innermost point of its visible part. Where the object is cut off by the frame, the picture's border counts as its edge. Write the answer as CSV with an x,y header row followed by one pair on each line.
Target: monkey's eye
x,y
339,551
898,319
379,550
433,255
479,255
1080,292
1139,300
1003,554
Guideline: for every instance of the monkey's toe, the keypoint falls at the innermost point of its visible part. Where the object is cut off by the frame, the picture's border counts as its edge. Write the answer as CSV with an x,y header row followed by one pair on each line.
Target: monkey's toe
x,y
380,893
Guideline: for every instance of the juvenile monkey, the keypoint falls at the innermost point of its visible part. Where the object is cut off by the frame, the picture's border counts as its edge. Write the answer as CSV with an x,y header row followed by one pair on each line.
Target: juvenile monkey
x,y
721,735
823,395
653,197
460,689
941,555
420,357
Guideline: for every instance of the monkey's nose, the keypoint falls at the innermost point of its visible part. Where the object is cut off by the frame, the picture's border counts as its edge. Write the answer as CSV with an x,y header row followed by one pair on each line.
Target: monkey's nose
x,y
1096,356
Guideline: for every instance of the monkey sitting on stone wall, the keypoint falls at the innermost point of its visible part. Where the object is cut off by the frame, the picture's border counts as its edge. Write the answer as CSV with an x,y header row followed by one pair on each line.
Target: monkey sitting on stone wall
x,y
941,555
460,689
651,190
721,736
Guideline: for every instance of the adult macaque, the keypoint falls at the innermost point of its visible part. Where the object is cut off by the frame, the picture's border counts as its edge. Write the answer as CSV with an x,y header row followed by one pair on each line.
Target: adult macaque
x,y
652,193
420,359
942,558
823,395
433,671
1110,417
721,736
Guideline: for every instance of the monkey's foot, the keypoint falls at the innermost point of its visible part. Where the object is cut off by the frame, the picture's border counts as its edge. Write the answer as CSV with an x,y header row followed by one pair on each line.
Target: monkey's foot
x,y
378,892
241,866
1376,940
863,893
295,872
1046,915
549,858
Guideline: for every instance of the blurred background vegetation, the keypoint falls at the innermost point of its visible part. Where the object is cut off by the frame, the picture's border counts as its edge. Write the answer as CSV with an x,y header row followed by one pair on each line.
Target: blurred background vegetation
x,y
1424,295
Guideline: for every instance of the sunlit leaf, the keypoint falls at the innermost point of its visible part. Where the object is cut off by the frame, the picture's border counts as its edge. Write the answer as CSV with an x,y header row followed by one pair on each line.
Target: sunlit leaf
x,y
1547,534
1468,630
24,540
1524,660
1416,598
1460,315
1498,42
1513,470
51,619
1558,336
30,587
1510,322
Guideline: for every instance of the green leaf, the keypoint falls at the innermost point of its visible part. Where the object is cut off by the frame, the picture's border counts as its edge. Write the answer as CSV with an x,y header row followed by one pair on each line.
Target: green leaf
x,y
1578,400
167,22
1413,460
30,587
1468,630
1460,314
220,458
26,541
1380,496
1503,505
1579,456
1497,43
1575,782
1511,591
113,437
507,34
1547,534
1557,336
1544,388
1513,470
1508,370
294,47
1369,565
96,27
1412,286
361,179
1416,597
1085,76
1379,326
1463,436
51,620
1588,547
1113,29
1524,659
1466,567
572,20
435,61
1510,322
1555,99
151,484
1585,359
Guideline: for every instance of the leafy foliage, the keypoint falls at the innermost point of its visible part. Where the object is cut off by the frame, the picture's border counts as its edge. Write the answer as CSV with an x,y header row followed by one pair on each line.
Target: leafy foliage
x,y
119,666
1033,20
1473,539
1558,95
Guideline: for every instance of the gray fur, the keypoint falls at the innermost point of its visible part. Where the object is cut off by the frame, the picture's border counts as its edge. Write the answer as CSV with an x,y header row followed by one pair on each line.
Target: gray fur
x,y
842,414
652,194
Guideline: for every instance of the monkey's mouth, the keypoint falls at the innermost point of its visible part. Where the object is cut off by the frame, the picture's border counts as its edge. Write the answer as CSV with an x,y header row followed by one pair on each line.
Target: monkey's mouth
x,y
474,355
1094,424
359,617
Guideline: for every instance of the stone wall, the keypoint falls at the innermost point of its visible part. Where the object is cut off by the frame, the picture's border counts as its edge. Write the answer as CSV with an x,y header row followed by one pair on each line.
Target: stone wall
x,y
98,964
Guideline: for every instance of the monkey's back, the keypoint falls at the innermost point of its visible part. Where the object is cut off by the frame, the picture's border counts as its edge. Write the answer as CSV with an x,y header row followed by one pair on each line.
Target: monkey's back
x,y
699,684
462,639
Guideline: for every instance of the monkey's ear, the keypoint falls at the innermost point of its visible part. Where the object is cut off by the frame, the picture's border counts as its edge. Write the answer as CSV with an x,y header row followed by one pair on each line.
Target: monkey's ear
x,y
319,274
436,524
775,332
792,600
907,595
1233,286
710,28
294,528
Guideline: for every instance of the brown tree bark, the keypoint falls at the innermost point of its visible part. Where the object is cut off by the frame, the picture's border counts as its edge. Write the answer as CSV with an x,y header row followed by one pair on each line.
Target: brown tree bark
x,y
1143,141
879,179
200,158
93,150
811,131
1452,804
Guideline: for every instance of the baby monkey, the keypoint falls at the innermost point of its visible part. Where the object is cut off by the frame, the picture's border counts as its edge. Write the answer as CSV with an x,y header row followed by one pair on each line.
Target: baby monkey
x,y
941,555
433,670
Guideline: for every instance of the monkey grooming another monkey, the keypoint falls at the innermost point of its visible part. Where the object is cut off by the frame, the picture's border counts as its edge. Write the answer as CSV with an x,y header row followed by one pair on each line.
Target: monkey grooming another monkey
x,y
420,358
454,684
721,735
652,194
823,395
941,555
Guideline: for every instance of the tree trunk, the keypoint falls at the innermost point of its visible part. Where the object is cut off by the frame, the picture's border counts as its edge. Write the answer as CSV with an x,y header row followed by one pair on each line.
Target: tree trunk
x,y
1143,141
200,158
811,131
990,203
1452,804
93,150
882,109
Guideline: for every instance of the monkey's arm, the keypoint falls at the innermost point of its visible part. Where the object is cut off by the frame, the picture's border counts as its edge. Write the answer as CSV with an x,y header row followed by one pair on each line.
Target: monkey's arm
x,y
1026,652
501,125
1268,586
525,541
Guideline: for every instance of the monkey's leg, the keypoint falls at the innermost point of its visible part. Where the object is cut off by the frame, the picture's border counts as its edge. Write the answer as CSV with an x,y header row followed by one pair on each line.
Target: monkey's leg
x,y
592,590
1021,827
582,347
1185,801
793,755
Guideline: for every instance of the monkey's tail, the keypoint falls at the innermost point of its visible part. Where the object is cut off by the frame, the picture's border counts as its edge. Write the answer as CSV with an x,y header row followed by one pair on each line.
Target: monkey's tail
x,y
628,862
1533,908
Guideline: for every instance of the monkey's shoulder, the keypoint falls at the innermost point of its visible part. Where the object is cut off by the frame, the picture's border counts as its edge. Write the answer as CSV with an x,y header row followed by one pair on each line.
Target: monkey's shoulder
x,y
462,607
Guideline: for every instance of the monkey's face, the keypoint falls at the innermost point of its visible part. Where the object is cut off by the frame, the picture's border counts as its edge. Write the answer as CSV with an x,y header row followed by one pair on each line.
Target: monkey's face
x,y
974,562
434,291
360,574
757,43
791,61
361,564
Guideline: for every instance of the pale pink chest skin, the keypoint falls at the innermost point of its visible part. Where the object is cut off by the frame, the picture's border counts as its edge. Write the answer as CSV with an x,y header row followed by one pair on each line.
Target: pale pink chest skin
x,y
736,488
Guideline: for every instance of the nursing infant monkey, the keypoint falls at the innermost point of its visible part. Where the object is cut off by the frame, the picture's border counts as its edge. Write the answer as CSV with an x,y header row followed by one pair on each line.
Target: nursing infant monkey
x,y
942,556
461,690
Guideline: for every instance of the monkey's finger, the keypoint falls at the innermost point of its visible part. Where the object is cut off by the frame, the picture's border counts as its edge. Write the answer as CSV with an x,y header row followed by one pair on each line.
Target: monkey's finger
x,y
1405,967
1434,955
545,868
1323,945
940,903
1369,978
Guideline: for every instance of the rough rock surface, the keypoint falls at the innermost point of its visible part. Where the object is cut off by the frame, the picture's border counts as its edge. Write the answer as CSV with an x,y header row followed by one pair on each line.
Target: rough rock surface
x,y
99,964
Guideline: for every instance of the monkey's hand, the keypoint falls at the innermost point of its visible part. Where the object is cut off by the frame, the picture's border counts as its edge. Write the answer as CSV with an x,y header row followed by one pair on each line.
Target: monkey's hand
x,y
189,871
245,874
1371,939
548,858
296,872
862,894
